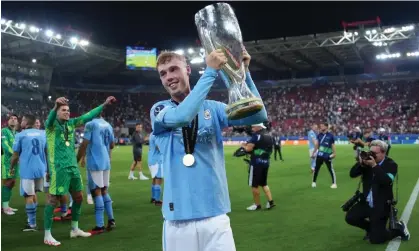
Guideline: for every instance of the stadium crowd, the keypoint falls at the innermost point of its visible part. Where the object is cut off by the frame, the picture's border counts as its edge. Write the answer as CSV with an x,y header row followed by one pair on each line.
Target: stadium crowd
x,y
391,105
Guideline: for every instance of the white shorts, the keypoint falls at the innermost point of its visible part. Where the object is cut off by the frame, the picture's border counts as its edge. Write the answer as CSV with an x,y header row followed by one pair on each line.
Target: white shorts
x,y
31,186
211,234
156,171
98,179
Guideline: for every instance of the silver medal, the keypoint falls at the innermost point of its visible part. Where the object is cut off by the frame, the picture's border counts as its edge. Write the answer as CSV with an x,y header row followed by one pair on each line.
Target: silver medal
x,y
188,160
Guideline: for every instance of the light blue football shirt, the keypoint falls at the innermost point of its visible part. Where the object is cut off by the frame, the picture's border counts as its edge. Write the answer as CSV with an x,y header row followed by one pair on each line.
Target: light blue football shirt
x,y
154,156
31,144
312,136
199,191
100,135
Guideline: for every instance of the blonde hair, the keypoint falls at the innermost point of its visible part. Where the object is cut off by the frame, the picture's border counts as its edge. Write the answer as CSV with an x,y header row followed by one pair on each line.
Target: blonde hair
x,y
381,144
167,56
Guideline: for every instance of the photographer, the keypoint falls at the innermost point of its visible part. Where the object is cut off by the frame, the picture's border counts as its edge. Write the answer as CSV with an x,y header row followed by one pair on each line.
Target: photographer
x,y
375,202
354,138
260,148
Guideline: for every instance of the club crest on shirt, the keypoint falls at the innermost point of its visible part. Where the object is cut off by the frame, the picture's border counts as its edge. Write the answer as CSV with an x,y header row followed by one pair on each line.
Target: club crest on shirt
x,y
207,114
158,109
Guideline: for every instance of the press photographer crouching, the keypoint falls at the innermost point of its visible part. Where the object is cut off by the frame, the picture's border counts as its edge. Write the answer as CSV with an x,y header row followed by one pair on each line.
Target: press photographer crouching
x,y
260,149
372,209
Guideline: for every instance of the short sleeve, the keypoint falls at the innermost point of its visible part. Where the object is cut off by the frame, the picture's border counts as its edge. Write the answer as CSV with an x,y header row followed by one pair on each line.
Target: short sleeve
x,y
88,131
112,139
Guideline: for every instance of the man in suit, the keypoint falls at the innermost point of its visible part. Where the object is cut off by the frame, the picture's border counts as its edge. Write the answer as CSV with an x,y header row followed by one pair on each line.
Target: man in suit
x,y
377,173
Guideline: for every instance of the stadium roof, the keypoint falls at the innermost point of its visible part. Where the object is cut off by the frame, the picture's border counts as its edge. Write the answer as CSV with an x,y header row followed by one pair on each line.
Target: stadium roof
x,y
351,48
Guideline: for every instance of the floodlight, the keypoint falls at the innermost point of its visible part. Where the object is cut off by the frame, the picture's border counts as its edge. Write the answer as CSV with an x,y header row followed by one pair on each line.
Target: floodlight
x,y
49,33
74,40
197,60
84,42
180,52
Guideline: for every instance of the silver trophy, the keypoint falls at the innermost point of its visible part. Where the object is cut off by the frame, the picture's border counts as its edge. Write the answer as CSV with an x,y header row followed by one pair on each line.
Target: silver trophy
x,y
218,28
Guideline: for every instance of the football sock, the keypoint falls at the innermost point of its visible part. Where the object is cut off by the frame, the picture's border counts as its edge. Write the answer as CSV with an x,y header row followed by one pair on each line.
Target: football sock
x,y
157,192
31,212
48,214
99,210
108,206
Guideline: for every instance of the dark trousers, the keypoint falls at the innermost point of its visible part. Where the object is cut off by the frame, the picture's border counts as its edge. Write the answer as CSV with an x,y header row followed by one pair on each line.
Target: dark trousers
x,y
388,151
375,226
319,163
277,149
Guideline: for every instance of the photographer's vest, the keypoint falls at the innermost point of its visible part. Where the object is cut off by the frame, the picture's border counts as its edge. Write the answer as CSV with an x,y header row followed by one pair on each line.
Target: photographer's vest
x,y
263,147
326,140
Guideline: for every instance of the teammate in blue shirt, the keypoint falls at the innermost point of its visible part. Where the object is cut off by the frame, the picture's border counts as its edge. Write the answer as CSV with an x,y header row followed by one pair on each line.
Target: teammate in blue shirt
x,y
98,141
195,197
324,152
312,138
156,170
30,150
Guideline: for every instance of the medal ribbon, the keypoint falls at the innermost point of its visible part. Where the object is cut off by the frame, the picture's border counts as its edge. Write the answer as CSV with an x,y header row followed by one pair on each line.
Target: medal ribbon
x,y
190,135
65,130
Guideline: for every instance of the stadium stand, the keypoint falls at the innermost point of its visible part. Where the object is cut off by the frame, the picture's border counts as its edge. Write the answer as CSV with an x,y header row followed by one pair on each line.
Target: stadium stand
x,y
338,77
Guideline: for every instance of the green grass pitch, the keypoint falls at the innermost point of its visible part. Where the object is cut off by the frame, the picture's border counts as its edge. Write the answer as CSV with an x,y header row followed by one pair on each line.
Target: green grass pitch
x,y
304,219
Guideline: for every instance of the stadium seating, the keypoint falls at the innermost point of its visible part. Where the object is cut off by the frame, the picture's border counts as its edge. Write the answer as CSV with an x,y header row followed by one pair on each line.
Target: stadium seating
x,y
392,105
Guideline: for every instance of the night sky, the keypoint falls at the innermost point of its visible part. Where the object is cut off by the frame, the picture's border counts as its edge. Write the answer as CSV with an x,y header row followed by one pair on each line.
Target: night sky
x,y
168,25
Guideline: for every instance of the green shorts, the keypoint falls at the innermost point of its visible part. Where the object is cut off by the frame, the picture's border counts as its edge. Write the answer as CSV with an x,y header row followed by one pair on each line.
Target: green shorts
x,y
64,180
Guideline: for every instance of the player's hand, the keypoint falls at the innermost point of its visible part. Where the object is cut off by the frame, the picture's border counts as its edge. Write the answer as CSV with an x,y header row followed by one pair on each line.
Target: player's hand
x,y
12,172
61,101
246,58
110,100
332,156
216,59
370,162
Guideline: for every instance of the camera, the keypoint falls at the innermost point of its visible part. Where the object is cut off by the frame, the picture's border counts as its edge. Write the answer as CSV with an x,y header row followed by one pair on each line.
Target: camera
x,y
352,201
366,155
240,152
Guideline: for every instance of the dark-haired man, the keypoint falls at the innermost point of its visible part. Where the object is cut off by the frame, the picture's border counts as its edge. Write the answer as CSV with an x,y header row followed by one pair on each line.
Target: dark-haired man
x,y
324,152
8,179
64,174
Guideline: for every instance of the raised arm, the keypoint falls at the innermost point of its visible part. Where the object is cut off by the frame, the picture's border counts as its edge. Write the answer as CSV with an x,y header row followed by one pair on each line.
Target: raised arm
x,y
259,117
53,113
89,116
184,113
163,118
